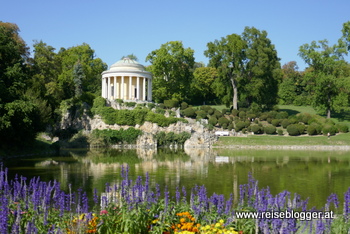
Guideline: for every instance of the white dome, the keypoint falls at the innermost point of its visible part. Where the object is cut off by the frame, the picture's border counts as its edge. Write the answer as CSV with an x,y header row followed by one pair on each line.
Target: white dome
x,y
127,64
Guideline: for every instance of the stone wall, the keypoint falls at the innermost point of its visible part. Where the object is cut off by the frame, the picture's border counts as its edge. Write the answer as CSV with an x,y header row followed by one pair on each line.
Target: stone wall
x,y
201,137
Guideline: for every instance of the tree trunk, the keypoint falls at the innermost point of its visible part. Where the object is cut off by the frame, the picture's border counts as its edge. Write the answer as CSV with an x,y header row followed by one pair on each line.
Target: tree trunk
x,y
329,107
235,94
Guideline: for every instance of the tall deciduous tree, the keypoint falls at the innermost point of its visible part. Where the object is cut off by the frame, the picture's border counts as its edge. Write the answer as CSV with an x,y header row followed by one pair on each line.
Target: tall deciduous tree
x,y
172,69
263,68
328,77
248,68
201,86
228,57
19,122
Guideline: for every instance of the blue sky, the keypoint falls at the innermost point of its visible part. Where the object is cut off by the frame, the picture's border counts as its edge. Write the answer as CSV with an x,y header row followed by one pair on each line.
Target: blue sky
x,y
115,28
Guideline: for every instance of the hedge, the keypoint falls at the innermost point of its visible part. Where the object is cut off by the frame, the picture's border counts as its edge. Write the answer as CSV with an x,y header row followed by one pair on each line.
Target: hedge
x,y
270,129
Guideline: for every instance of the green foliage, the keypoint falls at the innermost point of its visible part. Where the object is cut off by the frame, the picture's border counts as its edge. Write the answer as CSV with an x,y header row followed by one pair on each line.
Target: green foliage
x,y
235,112
201,86
171,103
151,105
280,132
295,129
311,130
212,120
118,136
342,127
269,129
165,139
201,114
160,111
184,105
329,128
161,120
256,129
223,121
239,126
78,77
328,77
130,104
189,112
285,123
172,70
276,122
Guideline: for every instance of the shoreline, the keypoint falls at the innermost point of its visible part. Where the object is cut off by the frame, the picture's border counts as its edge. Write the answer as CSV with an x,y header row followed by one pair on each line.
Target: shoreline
x,y
286,147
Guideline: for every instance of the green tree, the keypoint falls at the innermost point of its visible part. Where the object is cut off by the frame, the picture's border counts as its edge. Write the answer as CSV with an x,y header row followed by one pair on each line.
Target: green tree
x,y
201,86
92,67
248,68
328,76
292,84
19,118
263,68
172,70
78,77
228,57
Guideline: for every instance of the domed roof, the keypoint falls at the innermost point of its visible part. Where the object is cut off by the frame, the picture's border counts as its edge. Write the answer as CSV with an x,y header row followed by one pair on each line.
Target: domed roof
x,y
127,64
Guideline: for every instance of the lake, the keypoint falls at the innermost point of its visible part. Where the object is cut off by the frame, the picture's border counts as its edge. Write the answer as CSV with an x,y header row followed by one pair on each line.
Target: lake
x,y
312,174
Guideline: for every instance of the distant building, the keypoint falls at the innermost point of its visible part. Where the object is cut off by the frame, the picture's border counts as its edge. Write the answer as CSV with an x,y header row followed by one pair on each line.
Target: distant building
x,y
127,80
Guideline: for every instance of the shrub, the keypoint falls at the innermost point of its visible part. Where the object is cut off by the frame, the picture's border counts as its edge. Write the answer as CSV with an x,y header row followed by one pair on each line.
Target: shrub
x,y
329,128
160,111
211,111
230,127
272,114
342,127
118,136
201,114
234,112
301,128
189,112
161,105
311,130
217,114
205,108
318,128
263,116
183,105
280,132
212,120
269,120
222,121
98,104
239,126
120,101
275,122
293,130
242,115
285,123
171,103
270,129
151,105
108,115
130,104
282,115
257,129
171,138
293,120
125,117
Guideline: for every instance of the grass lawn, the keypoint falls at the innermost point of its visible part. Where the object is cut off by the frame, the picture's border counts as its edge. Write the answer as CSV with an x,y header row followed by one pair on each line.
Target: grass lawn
x,y
340,139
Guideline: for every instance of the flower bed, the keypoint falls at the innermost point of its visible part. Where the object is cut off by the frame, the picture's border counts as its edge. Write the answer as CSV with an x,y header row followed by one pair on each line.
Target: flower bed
x,y
133,207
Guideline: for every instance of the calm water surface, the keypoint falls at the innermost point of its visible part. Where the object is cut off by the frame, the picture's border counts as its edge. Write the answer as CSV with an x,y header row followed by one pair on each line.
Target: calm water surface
x,y
312,174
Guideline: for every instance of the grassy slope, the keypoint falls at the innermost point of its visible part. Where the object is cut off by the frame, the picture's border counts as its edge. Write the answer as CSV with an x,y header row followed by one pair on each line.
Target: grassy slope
x,y
340,139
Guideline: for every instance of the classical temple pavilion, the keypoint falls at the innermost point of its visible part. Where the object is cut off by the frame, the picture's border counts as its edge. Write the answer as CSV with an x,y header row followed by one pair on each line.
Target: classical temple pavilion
x,y
127,80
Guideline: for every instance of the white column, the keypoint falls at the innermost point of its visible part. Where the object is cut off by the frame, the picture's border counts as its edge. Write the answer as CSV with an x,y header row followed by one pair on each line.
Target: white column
x,y
144,88
148,89
150,96
122,88
130,85
108,87
115,88
138,88
103,87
